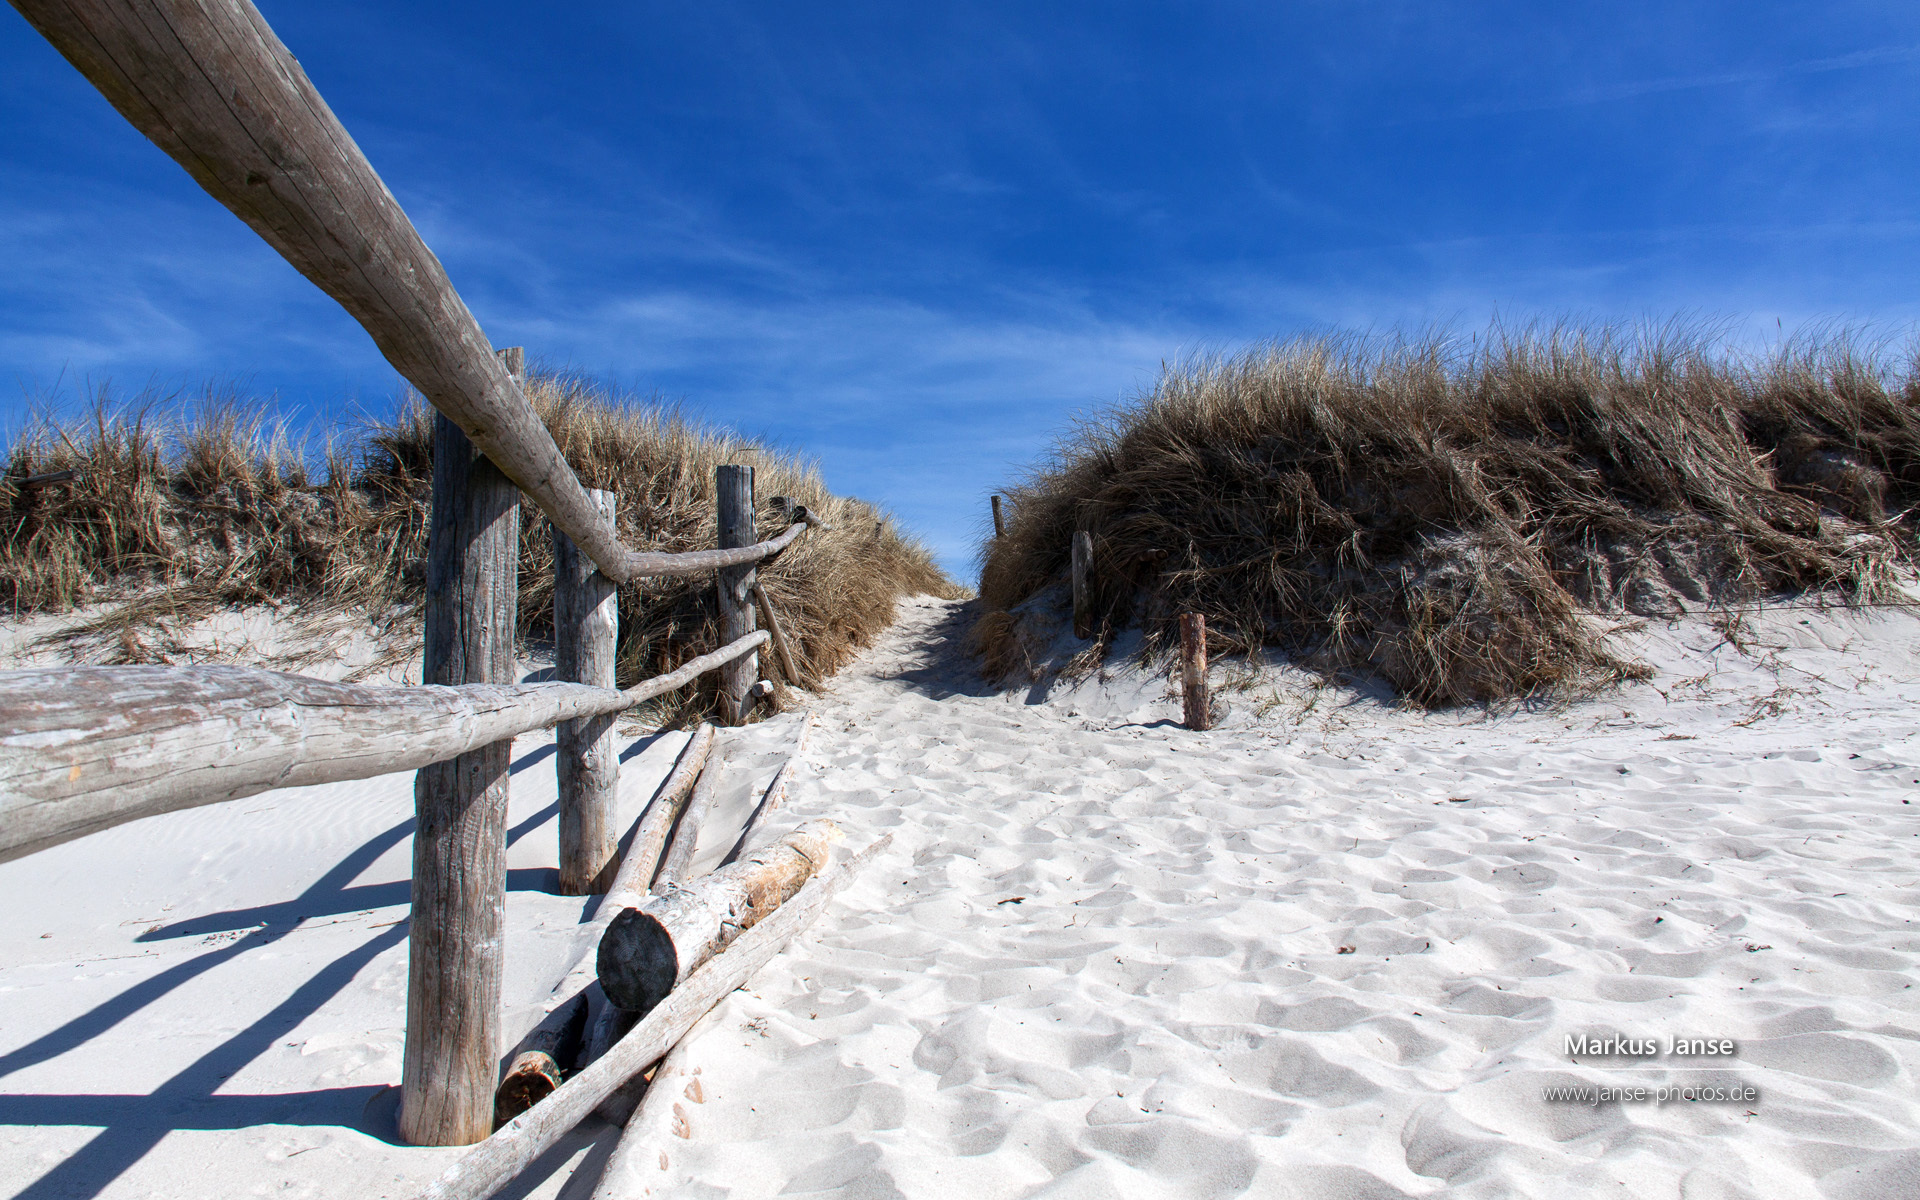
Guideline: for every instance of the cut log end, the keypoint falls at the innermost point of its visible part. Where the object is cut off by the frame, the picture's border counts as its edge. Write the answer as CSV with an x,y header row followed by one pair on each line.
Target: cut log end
x,y
531,1079
637,962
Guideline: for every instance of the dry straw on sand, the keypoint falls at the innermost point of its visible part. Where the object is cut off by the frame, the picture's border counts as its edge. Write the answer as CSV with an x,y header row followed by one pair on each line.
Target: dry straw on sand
x,y
163,522
1441,513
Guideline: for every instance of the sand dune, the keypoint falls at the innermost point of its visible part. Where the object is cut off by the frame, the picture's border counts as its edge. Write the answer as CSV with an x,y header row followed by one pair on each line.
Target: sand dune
x,y
1333,949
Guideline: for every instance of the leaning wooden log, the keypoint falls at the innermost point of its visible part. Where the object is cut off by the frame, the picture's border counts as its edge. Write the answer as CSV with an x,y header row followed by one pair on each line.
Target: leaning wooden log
x,y
489,1166
782,651
529,1077
642,860
774,796
86,748
677,863
663,1112
213,86
539,1060
647,951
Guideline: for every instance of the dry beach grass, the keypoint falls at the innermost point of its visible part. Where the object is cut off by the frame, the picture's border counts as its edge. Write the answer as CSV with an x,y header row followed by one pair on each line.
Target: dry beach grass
x,y
1440,513
167,519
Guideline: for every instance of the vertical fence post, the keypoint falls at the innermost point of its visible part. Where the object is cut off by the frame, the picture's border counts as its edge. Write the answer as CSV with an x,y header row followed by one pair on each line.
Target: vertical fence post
x,y
733,492
460,806
586,622
1193,669
1082,597
999,522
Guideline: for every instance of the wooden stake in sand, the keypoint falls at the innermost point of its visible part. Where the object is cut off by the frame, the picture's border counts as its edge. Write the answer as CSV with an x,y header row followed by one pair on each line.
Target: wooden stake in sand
x,y
999,523
1193,670
489,1166
454,952
1082,584
586,620
733,496
648,950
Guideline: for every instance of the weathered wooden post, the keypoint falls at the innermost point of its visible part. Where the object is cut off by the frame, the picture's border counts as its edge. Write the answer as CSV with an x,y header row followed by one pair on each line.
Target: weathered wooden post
x,y
1082,598
999,523
1193,669
460,806
733,495
586,621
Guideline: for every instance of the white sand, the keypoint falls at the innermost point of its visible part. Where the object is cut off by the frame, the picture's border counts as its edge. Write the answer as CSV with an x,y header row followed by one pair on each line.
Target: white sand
x,y
1165,1011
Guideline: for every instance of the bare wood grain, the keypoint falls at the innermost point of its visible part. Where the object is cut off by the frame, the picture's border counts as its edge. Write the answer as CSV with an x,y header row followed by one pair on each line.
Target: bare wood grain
x,y
586,621
735,515
455,949
86,748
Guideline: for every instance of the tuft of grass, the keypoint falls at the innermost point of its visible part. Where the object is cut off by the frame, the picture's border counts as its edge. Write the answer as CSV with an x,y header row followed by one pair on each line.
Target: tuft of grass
x,y
1441,513
169,518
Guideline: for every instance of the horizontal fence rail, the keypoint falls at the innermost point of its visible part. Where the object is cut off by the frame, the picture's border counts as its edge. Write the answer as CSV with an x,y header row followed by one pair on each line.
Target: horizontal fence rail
x,y
210,83
86,748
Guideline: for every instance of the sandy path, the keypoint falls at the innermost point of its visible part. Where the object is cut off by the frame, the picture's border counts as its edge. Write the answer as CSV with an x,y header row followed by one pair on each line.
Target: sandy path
x,y
1340,958
1105,956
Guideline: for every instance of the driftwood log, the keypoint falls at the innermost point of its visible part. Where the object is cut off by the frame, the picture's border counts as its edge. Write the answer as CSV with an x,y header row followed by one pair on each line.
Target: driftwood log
x,y
775,795
676,864
86,748
648,950
535,1068
210,83
489,1166
664,1110
537,1061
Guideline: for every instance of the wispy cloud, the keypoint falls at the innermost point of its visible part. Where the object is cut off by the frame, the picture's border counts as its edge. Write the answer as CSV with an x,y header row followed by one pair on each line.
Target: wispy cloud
x,y
1634,89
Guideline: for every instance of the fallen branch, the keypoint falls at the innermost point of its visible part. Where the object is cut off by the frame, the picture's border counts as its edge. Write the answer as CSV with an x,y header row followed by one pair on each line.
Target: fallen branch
x,y
489,1166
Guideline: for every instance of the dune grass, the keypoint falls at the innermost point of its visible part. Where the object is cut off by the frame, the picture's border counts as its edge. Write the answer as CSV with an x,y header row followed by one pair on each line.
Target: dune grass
x,y
170,515
1442,514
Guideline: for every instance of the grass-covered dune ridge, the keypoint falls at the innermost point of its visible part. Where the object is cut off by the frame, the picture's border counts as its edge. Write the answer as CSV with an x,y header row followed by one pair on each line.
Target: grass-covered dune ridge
x,y
168,518
1441,513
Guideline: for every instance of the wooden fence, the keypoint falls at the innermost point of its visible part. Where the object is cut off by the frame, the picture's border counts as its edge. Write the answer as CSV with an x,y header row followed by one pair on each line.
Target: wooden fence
x,y
84,749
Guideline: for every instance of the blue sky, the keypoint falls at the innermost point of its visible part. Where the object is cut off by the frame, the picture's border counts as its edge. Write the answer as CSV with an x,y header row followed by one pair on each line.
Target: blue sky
x,y
914,240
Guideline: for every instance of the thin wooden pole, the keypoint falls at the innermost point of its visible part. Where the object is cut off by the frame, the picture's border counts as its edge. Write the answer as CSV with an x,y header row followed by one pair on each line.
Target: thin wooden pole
x,y
460,836
999,523
586,620
1193,670
1082,569
782,652
733,492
